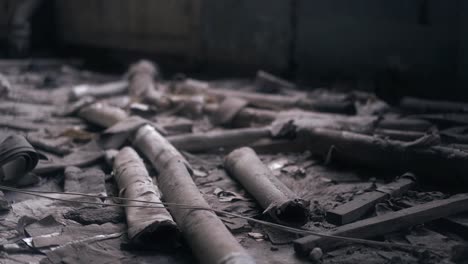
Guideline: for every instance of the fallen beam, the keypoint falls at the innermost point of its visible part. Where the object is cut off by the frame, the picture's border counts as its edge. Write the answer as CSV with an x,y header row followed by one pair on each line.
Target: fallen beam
x,y
207,236
423,156
148,225
364,203
387,223
274,197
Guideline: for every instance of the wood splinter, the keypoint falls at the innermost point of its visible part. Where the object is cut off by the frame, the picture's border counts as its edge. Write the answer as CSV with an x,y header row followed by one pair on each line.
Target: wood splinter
x,y
145,225
277,199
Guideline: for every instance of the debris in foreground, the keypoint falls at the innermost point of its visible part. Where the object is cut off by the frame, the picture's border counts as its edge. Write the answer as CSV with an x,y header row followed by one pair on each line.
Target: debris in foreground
x,y
278,200
362,204
208,237
145,225
387,223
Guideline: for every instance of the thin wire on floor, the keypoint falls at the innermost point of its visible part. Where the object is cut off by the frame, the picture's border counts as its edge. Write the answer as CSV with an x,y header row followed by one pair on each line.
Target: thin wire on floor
x,y
219,212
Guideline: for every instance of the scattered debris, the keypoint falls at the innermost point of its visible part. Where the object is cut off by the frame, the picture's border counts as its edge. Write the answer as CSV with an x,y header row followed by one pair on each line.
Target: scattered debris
x,y
362,204
145,225
89,117
278,200
202,229
387,223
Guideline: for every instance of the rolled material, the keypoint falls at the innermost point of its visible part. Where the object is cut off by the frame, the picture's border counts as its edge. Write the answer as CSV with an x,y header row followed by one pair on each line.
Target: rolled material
x,y
145,225
102,114
99,90
275,197
234,138
207,236
17,157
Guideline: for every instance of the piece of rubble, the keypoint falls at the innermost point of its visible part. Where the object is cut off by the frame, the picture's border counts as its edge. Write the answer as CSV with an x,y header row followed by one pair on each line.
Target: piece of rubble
x,y
99,216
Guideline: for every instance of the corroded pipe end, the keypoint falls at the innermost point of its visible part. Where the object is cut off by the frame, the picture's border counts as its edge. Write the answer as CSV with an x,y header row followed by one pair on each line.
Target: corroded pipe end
x,y
293,212
160,234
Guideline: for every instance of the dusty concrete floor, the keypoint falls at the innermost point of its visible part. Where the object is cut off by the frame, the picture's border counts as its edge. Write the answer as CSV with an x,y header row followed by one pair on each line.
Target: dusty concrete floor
x,y
39,94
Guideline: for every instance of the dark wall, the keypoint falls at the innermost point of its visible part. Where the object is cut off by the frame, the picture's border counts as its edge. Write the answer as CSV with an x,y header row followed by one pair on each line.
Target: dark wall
x,y
247,33
421,42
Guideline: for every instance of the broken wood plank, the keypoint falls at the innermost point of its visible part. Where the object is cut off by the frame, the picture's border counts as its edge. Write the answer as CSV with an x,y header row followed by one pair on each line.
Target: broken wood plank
x,y
273,196
145,225
364,203
387,223
205,233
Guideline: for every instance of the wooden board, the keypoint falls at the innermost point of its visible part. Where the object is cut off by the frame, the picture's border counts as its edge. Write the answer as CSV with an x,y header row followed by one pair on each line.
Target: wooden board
x,y
387,223
364,203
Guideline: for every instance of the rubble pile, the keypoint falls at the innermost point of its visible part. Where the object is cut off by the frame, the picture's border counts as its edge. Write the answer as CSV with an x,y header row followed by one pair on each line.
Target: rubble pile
x,y
98,168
